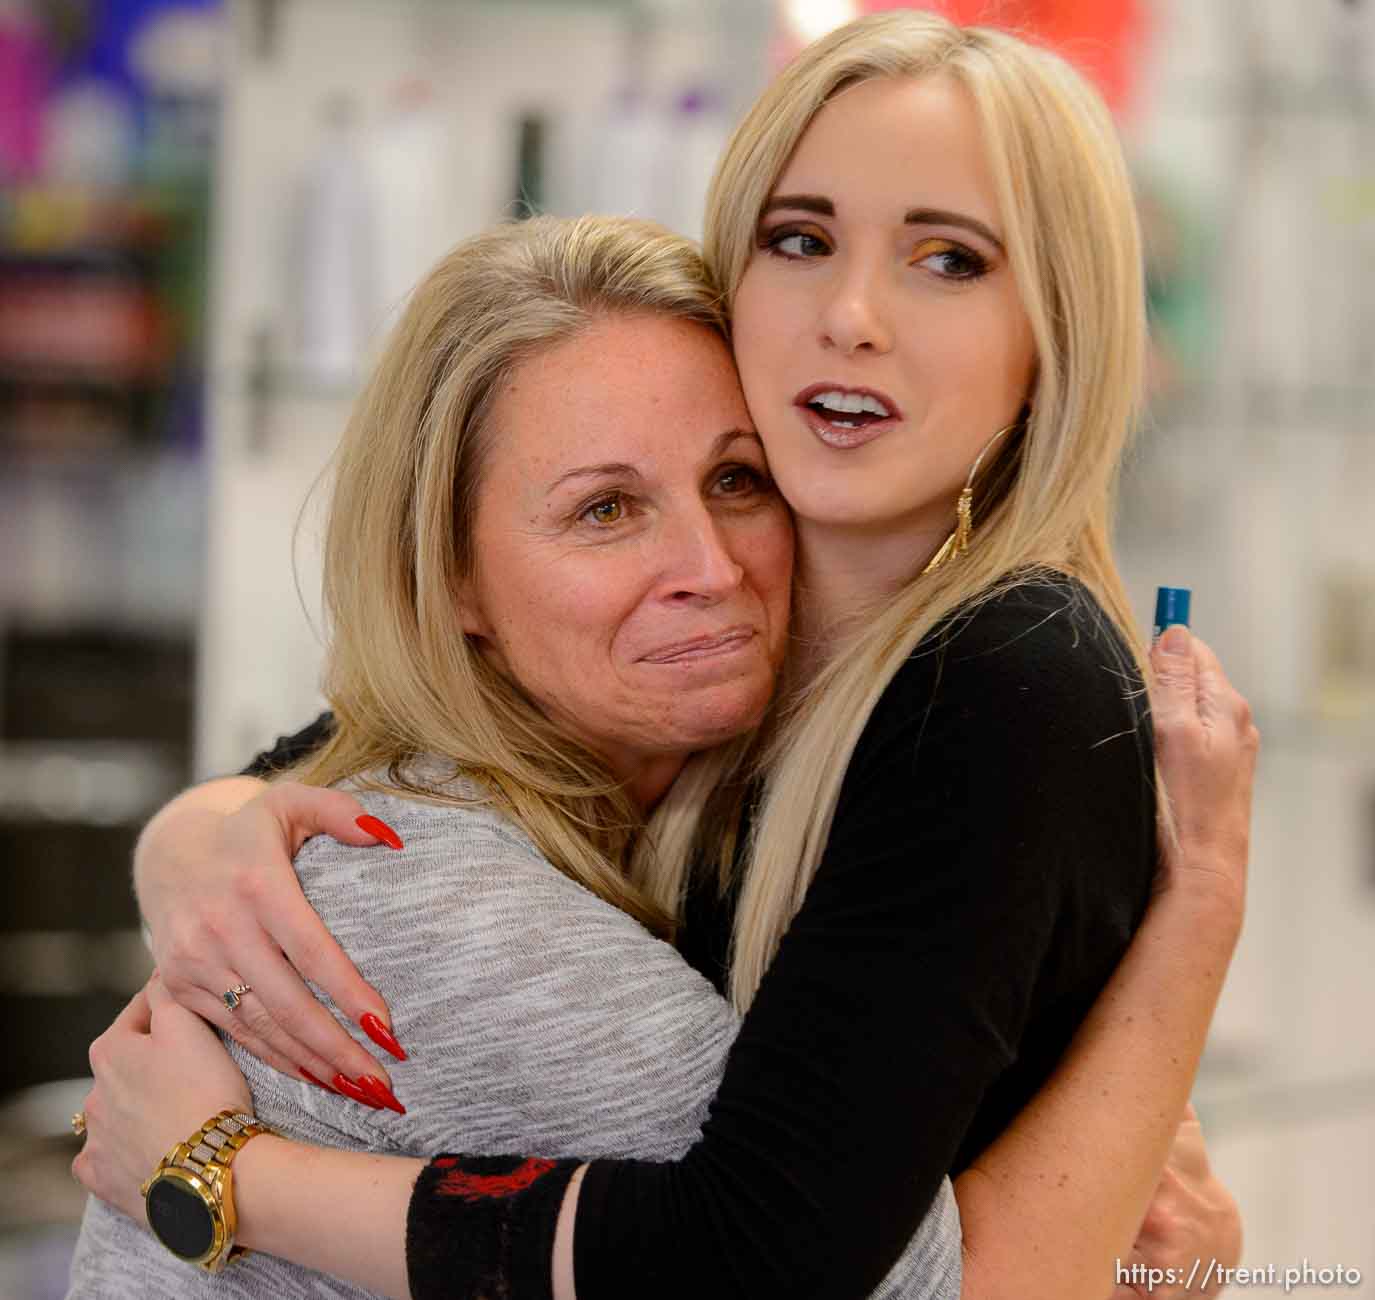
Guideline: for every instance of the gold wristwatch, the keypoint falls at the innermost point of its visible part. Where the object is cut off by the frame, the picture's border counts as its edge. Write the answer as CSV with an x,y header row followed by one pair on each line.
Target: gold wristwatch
x,y
190,1195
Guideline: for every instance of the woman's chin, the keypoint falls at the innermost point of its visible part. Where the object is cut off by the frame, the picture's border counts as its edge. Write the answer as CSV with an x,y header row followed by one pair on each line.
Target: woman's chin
x,y
712,715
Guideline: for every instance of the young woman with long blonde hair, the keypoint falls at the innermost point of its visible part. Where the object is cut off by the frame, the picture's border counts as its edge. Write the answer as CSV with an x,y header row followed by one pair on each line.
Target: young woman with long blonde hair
x,y
926,238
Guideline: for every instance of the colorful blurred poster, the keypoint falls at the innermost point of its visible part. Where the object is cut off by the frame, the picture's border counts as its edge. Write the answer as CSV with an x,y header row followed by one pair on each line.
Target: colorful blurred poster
x,y
86,85
107,132
1106,39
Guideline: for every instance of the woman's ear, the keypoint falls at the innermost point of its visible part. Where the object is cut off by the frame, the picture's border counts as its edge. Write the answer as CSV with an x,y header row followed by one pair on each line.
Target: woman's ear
x,y
471,617
473,621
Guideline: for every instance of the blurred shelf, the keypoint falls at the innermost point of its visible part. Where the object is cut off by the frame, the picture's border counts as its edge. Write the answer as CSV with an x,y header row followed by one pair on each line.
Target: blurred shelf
x,y
48,1037
67,450
86,379
68,693
104,452
1266,1102
87,783
104,547
46,221
138,261
72,963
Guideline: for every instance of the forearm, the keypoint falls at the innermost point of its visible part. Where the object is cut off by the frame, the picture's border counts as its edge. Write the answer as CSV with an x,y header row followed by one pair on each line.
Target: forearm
x,y
1080,1163
563,1241
192,815
341,1212
344,1213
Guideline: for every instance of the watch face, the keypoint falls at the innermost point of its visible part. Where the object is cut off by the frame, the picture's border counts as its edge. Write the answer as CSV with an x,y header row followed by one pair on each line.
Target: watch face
x,y
180,1219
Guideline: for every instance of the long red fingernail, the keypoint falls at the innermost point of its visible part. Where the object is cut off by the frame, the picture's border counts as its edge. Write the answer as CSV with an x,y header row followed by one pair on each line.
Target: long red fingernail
x,y
381,1035
353,1091
379,829
310,1078
380,1092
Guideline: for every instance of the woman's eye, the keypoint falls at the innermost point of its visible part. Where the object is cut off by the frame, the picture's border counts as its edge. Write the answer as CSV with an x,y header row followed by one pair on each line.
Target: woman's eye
x,y
953,261
739,480
795,243
609,510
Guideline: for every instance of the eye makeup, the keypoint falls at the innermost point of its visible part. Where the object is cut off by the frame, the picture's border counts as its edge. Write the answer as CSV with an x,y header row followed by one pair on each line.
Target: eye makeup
x,y
968,264
773,241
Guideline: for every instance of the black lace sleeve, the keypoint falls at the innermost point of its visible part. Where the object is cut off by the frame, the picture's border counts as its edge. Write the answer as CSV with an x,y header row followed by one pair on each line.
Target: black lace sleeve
x,y
289,749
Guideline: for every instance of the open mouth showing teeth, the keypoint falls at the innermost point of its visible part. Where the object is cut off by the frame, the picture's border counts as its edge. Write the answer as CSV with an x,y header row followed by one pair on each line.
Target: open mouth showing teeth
x,y
849,410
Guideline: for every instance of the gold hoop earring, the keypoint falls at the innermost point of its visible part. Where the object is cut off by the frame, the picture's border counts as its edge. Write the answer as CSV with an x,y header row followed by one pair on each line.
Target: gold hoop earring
x,y
958,541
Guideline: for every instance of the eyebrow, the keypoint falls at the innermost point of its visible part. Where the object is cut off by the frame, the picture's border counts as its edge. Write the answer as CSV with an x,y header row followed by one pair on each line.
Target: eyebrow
x,y
625,470
823,207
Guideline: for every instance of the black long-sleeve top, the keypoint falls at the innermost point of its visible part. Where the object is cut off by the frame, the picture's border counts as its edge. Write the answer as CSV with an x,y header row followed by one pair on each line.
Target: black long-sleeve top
x,y
990,855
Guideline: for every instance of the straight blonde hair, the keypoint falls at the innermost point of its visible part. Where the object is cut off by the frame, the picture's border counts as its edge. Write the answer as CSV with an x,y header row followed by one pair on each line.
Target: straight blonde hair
x,y
1045,499
401,677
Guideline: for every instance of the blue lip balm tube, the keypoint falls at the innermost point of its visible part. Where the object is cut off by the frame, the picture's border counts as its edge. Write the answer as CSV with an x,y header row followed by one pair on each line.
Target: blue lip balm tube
x,y
1171,606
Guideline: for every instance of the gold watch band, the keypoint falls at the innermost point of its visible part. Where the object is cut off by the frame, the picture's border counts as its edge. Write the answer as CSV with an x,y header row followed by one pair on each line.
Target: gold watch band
x,y
212,1148
207,1155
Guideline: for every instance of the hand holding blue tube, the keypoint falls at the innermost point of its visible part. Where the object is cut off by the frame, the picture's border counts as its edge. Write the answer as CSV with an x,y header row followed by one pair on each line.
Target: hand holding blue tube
x,y
1171,606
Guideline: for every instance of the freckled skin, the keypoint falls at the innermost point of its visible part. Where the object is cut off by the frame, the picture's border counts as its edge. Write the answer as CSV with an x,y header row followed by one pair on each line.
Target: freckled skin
x,y
579,581
871,302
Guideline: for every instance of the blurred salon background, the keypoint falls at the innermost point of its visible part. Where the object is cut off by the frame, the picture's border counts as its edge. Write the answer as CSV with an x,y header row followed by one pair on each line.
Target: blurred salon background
x,y
210,210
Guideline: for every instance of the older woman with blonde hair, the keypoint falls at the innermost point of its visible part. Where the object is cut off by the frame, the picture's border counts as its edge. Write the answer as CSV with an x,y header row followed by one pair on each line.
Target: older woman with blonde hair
x,y
926,240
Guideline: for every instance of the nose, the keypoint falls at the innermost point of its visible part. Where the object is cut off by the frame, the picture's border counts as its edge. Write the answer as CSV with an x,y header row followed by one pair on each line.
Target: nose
x,y
699,563
854,315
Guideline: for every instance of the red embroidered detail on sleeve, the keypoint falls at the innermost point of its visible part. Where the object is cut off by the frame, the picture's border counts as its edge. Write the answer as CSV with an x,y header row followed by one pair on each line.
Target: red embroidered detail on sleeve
x,y
475,1187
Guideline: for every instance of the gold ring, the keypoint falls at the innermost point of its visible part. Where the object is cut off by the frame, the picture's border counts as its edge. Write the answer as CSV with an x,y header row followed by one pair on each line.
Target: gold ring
x,y
79,1123
232,997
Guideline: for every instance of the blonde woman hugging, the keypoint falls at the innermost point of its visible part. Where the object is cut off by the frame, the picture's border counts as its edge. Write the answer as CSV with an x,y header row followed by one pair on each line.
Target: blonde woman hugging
x,y
929,931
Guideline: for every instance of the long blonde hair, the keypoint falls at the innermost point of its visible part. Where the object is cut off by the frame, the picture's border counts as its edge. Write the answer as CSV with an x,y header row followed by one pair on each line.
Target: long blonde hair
x,y
401,677
1045,499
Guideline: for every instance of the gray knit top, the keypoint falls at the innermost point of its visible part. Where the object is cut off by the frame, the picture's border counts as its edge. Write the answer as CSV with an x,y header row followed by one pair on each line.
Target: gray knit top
x,y
539,1020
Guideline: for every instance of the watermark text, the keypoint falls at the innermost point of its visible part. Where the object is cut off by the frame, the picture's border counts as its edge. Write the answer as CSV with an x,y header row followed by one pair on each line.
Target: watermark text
x,y
1209,1274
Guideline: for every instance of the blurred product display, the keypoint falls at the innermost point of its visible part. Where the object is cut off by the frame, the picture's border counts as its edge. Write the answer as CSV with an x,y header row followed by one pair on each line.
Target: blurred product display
x,y
106,147
335,252
407,146
657,154
86,323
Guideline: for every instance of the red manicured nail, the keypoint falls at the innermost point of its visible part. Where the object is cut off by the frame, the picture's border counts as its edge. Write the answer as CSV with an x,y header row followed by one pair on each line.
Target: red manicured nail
x,y
353,1091
381,1035
310,1078
380,1092
379,829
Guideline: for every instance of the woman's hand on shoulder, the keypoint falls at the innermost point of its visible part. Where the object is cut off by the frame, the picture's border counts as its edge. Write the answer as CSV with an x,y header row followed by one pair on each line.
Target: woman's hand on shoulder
x,y
1192,1231
224,908
1206,744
